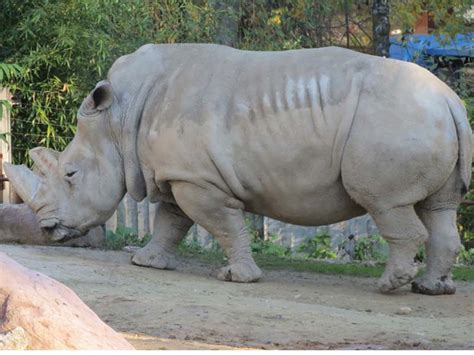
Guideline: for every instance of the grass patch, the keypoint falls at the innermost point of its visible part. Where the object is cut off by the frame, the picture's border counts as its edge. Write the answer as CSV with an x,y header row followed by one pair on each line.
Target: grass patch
x,y
464,273
193,250
307,265
217,258
124,236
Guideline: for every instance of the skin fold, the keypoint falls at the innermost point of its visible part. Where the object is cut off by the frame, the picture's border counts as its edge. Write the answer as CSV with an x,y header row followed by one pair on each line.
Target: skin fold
x,y
309,137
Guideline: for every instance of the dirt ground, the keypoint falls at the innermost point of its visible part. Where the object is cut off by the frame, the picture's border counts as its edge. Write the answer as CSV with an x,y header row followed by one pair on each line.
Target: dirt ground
x,y
189,309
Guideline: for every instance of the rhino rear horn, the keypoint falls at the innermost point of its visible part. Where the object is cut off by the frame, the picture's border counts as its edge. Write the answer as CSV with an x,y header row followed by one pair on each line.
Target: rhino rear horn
x,y
46,160
25,183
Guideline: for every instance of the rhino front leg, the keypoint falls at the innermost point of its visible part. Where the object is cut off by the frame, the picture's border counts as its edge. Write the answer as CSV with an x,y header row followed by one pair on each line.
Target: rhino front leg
x,y
170,227
219,214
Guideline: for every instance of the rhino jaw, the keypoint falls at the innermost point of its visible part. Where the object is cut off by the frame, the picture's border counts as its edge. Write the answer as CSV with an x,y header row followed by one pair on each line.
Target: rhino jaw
x,y
25,183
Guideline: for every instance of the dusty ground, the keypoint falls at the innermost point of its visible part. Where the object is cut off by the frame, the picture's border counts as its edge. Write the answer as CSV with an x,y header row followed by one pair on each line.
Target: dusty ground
x,y
189,309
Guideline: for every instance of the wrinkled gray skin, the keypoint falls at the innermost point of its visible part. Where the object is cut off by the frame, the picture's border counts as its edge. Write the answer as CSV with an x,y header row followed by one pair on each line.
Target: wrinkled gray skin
x,y
309,137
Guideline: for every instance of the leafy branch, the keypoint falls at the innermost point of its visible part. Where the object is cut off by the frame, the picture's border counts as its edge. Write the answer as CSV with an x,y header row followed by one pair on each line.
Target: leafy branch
x,y
8,71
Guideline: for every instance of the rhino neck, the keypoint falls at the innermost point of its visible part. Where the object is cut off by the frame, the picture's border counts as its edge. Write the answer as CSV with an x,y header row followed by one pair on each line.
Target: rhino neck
x,y
130,126
134,77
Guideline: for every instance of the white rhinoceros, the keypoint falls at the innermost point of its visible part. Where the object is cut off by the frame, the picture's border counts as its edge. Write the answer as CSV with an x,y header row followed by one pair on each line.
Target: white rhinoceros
x,y
309,137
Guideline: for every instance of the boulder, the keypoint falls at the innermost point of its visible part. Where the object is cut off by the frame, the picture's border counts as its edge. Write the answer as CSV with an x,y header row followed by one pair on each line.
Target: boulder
x,y
18,224
37,312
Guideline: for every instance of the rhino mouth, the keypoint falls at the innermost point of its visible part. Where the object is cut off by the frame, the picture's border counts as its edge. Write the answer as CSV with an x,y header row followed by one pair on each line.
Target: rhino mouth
x,y
60,232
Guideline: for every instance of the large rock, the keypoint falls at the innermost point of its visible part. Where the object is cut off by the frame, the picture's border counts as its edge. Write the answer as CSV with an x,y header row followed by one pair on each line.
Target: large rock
x,y
18,224
37,312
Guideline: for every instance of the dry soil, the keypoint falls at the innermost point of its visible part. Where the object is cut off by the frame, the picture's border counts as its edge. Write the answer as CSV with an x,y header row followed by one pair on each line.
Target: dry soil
x,y
189,309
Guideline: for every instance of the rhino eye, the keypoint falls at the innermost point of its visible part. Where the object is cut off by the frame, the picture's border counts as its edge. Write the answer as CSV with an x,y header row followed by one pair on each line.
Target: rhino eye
x,y
71,174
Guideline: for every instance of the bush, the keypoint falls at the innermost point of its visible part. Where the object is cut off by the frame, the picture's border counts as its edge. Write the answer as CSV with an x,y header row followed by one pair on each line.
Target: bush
x,y
123,237
269,247
370,248
318,247
466,256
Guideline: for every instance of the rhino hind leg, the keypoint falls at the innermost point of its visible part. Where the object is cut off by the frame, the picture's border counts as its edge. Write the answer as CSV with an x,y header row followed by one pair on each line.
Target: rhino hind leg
x,y
170,227
404,232
438,213
209,208
442,249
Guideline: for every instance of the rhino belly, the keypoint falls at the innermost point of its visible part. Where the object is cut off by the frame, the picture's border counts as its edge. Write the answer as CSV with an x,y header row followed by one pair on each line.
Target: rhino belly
x,y
307,205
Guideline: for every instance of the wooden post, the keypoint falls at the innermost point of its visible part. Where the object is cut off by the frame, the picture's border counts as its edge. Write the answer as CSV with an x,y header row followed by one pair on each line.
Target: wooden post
x,y
143,218
131,215
5,147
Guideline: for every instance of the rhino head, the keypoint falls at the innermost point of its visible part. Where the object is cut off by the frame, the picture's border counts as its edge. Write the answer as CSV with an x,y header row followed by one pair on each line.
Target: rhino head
x,y
81,187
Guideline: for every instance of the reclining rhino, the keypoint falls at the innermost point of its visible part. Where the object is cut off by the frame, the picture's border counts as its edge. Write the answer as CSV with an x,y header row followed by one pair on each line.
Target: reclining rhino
x,y
309,137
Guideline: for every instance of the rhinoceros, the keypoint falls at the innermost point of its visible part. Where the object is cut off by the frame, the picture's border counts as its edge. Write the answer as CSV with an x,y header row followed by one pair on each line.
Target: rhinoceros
x,y
309,137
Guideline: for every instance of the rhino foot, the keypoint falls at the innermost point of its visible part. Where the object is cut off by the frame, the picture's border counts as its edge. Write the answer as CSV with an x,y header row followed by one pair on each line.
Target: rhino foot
x,y
393,279
152,258
240,272
442,286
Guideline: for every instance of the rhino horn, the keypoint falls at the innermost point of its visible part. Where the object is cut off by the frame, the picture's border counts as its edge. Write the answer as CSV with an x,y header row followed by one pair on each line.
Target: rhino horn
x,y
24,181
46,160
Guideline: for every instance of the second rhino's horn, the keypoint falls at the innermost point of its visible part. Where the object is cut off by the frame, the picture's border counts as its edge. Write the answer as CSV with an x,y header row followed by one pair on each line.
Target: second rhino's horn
x,y
24,181
45,159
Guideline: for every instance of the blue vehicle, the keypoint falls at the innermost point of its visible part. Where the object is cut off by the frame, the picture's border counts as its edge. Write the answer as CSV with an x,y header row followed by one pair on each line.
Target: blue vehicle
x,y
432,51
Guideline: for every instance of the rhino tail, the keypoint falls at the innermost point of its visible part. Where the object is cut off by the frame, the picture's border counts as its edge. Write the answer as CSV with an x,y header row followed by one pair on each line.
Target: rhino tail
x,y
465,138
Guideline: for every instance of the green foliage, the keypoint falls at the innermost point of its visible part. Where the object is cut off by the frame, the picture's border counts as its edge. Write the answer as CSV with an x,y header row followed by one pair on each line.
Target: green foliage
x,y
8,72
370,248
269,247
123,237
463,273
289,24
67,46
318,247
466,256
448,15
319,266
191,248
421,254
265,247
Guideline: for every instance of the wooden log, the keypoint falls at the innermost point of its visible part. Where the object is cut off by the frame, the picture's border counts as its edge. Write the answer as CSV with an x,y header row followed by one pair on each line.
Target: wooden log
x,y
18,224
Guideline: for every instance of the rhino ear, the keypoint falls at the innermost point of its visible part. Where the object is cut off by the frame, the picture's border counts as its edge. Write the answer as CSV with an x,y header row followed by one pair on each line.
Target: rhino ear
x,y
101,97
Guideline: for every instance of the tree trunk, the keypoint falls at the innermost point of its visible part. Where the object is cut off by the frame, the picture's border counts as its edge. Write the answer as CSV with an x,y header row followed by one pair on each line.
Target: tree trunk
x,y
381,27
